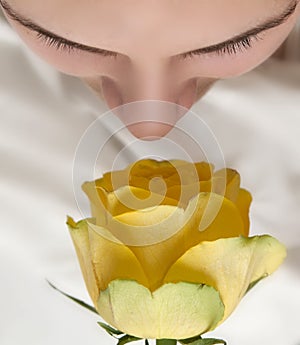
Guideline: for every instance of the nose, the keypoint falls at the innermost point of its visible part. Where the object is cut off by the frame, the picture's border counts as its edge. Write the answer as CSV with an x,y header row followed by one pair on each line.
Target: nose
x,y
149,106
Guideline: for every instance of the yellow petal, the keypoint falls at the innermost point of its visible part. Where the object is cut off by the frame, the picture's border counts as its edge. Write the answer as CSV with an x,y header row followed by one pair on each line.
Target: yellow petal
x,y
233,181
226,182
221,219
129,198
98,200
150,167
174,311
80,237
241,197
175,180
243,204
174,172
151,234
102,257
112,180
159,236
204,170
229,265
184,193
122,200
148,226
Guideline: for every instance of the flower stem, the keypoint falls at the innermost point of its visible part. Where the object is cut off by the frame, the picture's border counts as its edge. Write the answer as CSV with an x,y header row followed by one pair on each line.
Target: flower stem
x,y
166,341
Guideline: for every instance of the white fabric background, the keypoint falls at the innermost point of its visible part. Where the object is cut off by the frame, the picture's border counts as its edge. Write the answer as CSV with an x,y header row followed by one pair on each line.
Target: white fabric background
x,y
43,114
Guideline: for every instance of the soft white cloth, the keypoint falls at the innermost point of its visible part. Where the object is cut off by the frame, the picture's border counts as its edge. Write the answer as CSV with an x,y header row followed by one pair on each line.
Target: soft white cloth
x,y
43,114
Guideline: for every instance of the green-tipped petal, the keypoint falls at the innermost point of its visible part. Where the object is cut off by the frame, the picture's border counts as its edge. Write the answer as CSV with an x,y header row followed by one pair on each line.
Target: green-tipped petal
x,y
102,257
229,265
174,311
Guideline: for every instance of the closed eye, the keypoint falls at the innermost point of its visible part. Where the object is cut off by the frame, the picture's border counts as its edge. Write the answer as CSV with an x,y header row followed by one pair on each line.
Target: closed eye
x,y
51,39
245,40
230,47
62,44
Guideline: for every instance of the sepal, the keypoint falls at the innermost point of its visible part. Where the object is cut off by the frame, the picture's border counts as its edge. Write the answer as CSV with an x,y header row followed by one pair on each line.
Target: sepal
x,y
74,299
127,339
200,341
110,330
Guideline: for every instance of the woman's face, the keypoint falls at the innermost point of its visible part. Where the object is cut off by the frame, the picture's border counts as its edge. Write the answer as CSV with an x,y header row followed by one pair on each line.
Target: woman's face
x,y
169,50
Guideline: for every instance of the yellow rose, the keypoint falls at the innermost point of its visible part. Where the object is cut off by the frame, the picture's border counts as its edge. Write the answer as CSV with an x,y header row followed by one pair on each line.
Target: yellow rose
x,y
167,253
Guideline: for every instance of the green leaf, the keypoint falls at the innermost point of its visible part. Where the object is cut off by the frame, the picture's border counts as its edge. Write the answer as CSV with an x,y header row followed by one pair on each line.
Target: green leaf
x,y
166,342
190,340
208,341
110,330
127,339
78,301
146,342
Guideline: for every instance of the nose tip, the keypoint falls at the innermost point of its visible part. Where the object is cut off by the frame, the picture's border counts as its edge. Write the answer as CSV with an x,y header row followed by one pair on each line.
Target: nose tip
x,y
149,130
150,119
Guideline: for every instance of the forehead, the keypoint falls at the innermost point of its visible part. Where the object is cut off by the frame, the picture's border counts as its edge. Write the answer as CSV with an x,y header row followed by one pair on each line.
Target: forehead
x,y
121,23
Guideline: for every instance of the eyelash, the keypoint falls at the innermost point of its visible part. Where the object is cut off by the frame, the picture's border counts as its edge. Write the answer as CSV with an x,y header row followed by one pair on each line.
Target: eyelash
x,y
231,48
60,44
54,42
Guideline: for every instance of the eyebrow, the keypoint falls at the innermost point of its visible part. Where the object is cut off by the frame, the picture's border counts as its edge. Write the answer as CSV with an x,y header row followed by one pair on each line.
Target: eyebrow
x,y
269,24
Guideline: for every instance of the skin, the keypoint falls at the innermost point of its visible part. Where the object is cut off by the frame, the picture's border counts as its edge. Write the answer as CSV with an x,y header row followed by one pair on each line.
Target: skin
x,y
148,37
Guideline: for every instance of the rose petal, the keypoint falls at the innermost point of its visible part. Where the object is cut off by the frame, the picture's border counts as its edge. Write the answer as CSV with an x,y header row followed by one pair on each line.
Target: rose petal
x,y
128,198
243,204
174,311
80,237
229,265
175,180
112,180
226,182
102,257
174,172
187,192
159,236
